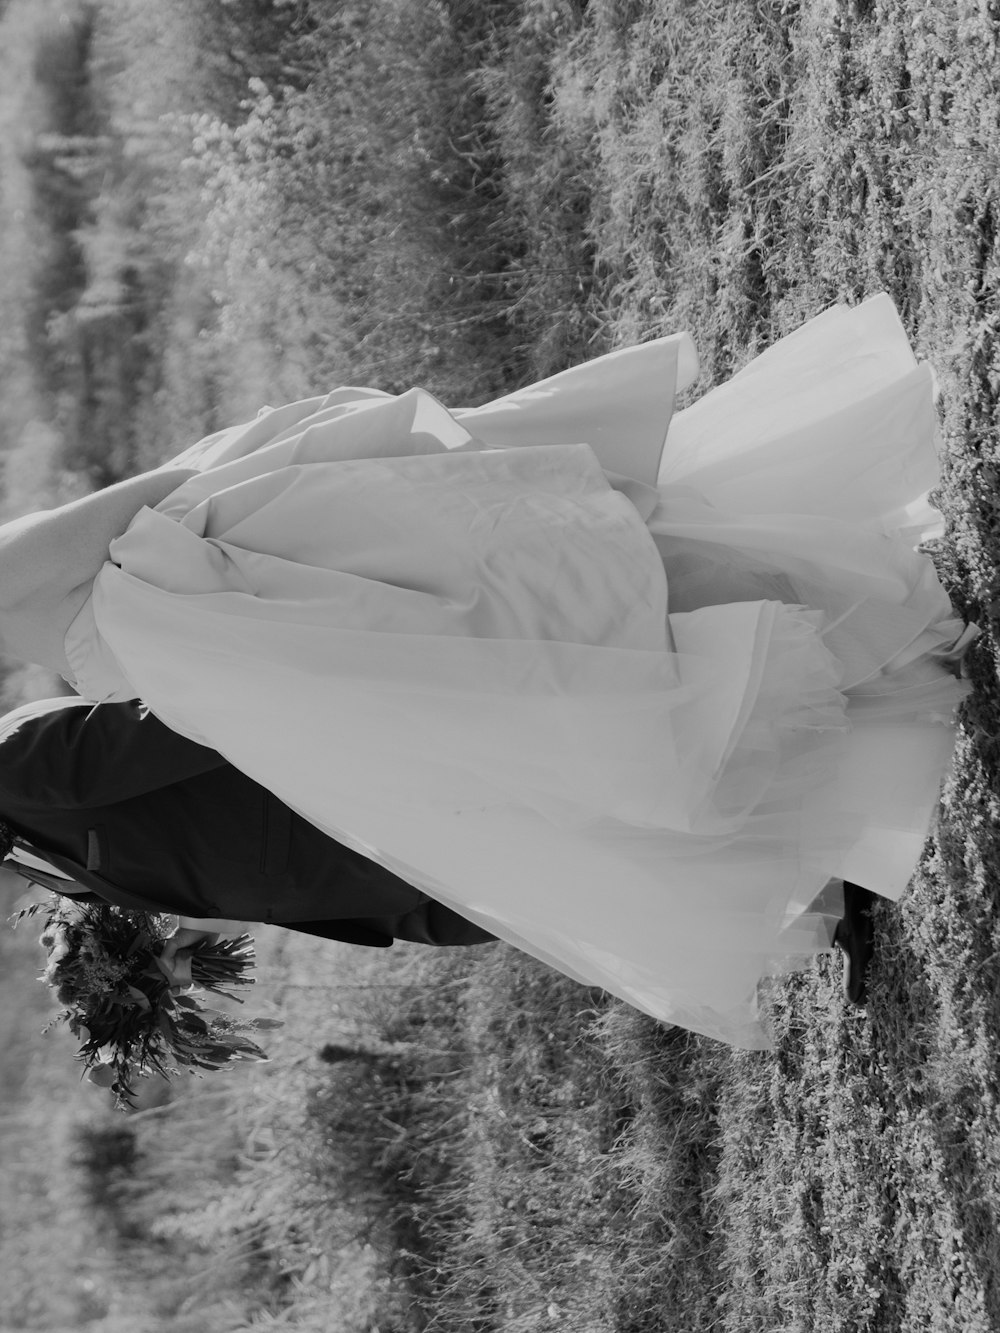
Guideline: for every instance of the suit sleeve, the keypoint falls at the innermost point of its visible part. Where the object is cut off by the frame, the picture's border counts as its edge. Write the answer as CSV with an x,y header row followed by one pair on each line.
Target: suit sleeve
x,y
71,754
430,923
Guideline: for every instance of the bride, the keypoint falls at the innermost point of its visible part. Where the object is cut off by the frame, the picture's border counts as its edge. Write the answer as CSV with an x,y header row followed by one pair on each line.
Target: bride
x,y
626,687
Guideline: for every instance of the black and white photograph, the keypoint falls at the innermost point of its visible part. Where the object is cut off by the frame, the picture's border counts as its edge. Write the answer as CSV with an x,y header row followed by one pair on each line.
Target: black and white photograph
x,y
499,695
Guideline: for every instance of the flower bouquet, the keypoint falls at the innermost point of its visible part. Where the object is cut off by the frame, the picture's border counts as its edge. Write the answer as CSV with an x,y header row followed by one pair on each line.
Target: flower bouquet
x,y
102,965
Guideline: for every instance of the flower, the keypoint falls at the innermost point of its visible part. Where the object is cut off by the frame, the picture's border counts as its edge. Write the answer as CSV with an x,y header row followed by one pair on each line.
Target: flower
x,y
102,965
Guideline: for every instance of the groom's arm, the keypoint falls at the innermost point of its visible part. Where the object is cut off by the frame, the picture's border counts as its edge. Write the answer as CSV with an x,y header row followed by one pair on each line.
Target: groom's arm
x,y
71,754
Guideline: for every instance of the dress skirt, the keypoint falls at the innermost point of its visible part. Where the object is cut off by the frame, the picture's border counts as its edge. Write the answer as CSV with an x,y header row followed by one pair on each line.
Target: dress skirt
x,y
627,687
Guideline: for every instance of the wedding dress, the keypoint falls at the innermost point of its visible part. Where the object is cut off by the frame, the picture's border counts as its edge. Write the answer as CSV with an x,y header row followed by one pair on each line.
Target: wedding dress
x,y
627,704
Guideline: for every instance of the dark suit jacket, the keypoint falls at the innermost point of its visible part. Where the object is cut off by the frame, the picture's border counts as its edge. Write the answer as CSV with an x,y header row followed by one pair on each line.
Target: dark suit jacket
x,y
146,819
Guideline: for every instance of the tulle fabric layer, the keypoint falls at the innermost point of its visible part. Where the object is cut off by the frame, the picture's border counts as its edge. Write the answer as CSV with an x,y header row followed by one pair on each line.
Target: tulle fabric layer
x,y
836,419
443,638
805,479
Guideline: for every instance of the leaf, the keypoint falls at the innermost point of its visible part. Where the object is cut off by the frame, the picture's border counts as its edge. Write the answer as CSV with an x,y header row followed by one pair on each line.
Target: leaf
x,y
218,1054
141,1000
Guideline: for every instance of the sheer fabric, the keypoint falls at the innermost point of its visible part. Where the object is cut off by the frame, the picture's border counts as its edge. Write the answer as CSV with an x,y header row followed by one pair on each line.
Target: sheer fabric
x,y
631,715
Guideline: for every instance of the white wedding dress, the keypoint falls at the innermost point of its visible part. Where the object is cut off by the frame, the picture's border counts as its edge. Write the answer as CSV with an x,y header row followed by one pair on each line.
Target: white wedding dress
x,y
630,707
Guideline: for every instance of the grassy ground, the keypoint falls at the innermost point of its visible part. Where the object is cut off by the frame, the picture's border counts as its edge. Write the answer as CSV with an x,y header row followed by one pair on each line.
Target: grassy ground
x,y
483,1145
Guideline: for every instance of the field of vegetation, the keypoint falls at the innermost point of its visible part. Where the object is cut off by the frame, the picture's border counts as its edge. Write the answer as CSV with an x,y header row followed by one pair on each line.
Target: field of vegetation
x,y
210,205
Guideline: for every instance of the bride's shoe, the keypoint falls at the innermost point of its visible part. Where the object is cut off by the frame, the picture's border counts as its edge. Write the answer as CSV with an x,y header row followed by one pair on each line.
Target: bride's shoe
x,y
953,657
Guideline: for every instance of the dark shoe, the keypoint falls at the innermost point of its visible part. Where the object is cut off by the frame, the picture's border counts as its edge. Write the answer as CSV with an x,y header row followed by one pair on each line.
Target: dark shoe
x,y
855,934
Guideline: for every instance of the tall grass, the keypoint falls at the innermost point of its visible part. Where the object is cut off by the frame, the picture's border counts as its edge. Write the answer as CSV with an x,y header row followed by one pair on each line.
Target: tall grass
x,y
371,141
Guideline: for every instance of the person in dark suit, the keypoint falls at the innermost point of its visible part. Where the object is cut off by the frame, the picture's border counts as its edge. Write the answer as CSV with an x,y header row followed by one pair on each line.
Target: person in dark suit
x,y
139,816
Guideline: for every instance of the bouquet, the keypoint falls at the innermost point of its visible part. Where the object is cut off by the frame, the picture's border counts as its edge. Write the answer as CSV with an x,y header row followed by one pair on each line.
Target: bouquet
x,y
102,965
